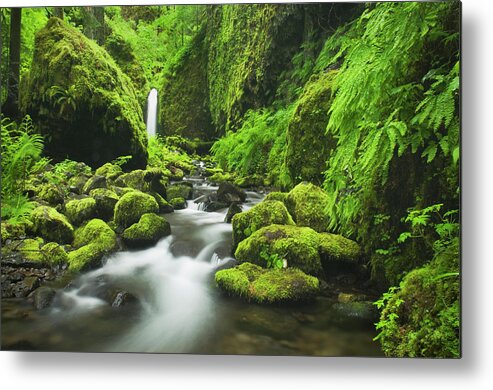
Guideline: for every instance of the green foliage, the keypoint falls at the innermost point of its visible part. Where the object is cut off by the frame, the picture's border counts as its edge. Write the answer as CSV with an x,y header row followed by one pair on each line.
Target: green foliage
x,y
391,98
258,147
273,260
21,157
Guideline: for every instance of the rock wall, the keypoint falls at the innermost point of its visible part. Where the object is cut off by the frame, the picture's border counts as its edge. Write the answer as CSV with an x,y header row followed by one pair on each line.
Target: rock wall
x,y
81,101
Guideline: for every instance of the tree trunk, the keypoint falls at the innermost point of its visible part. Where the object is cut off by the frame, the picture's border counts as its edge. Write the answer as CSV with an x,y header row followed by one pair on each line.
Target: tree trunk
x,y
58,12
11,106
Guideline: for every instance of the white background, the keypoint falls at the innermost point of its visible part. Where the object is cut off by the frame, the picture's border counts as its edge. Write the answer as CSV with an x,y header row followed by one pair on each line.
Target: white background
x,y
474,371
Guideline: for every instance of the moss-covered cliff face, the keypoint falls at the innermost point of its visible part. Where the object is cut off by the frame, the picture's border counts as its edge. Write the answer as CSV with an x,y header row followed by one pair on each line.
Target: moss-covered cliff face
x,y
249,48
307,148
122,53
184,97
81,101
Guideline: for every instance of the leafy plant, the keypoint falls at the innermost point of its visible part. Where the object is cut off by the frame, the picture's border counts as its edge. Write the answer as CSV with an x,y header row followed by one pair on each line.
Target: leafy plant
x,y
21,154
273,260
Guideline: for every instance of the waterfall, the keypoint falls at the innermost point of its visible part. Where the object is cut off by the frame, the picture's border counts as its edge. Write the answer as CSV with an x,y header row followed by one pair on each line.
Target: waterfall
x,y
151,113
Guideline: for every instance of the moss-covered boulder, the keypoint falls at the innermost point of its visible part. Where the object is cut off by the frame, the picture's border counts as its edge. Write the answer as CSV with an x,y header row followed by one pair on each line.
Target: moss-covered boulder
x,y
80,210
178,191
178,203
132,206
51,194
109,171
307,150
51,225
307,203
30,249
153,179
76,183
276,195
94,182
54,253
94,240
80,99
10,231
147,231
263,214
298,246
164,206
336,248
254,283
106,201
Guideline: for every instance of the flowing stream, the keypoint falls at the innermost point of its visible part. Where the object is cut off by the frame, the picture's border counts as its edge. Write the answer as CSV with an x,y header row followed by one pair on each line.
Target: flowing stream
x,y
163,299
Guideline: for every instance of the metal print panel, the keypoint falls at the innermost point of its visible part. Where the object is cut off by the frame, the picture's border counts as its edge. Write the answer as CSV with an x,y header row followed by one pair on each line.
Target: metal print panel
x,y
264,179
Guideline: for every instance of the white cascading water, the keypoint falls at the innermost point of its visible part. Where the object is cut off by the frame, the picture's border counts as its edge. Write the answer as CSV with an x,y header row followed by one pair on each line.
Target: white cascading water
x,y
151,113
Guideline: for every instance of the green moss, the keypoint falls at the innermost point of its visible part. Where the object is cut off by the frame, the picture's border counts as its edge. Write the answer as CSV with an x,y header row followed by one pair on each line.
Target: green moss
x,y
307,204
51,225
132,206
263,214
178,191
109,170
134,179
51,193
299,246
183,98
147,231
54,253
94,182
81,101
80,210
178,203
94,240
422,317
31,249
254,283
220,177
77,183
334,247
275,195
164,206
307,144
105,202
10,231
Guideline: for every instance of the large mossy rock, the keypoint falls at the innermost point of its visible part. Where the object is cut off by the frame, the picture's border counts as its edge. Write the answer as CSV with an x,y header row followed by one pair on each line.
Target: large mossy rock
x,y
299,246
81,101
80,210
307,150
265,213
51,225
94,240
254,283
51,194
109,171
336,248
147,231
132,206
180,190
307,203
106,201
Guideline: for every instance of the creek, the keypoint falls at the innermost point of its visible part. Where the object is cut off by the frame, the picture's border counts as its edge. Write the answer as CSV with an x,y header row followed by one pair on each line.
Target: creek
x,y
164,299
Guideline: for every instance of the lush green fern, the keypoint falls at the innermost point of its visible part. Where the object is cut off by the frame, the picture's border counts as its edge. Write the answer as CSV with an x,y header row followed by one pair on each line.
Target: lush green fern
x,y
391,97
21,156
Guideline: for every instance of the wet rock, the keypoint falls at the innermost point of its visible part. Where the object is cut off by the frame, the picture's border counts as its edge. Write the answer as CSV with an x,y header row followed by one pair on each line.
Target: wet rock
x,y
43,297
182,190
351,297
94,182
234,209
229,193
178,203
215,206
362,312
149,230
123,298
25,287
